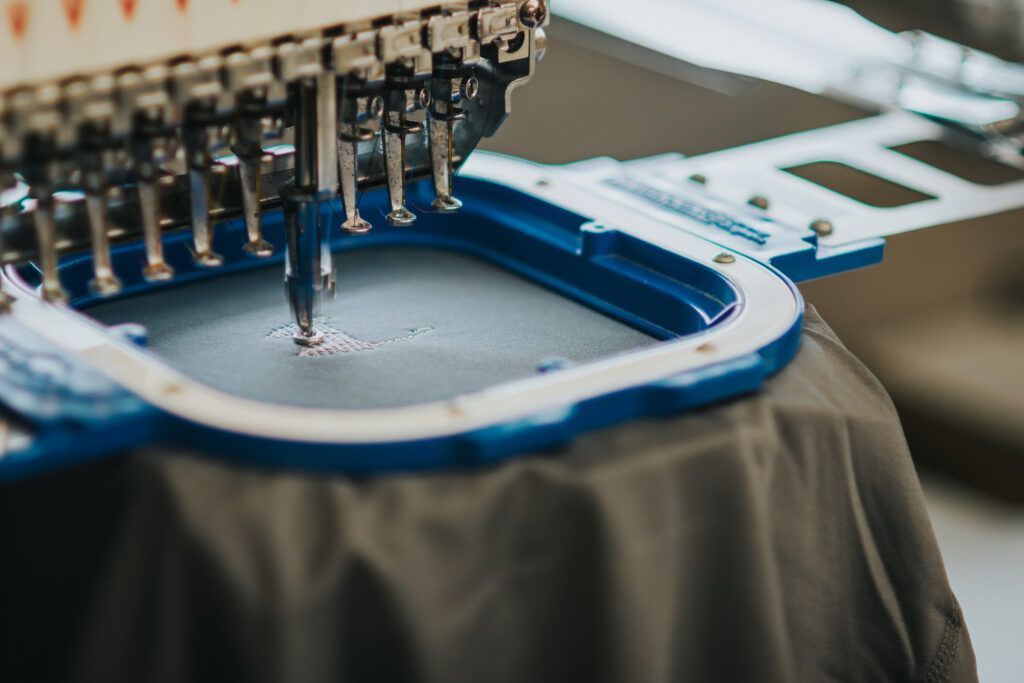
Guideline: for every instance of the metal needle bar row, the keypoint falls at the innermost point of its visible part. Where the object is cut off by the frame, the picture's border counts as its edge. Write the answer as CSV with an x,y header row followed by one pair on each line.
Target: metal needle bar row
x,y
141,125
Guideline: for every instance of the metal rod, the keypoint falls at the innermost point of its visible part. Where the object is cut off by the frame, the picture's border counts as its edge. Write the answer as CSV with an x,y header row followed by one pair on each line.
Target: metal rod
x,y
197,152
46,238
104,282
396,127
348,155
441,131
249,150
156,269
303,267
327,134
348,162
308,269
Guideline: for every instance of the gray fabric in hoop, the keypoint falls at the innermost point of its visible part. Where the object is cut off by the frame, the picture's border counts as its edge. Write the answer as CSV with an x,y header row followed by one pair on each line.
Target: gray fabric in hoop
x,y
407,326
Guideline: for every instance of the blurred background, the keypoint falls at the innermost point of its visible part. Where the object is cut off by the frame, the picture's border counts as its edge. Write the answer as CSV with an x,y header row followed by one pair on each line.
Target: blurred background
x,y
941,321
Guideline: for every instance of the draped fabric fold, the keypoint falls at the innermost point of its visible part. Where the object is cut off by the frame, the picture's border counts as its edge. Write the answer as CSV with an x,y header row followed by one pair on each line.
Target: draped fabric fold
x,y
779,537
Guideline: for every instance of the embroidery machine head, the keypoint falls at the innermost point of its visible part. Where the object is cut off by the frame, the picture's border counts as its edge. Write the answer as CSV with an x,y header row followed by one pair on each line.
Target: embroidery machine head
x,y
167,116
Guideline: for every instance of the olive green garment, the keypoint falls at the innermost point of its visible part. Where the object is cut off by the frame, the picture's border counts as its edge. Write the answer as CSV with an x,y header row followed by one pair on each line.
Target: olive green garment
x,y
779,537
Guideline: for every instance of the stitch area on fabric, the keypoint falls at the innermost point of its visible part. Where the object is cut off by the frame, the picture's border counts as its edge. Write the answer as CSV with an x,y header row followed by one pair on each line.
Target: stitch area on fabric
x,y
948,647
335,341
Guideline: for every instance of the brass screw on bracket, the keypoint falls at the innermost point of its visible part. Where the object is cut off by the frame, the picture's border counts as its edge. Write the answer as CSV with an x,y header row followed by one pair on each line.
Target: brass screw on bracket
x,y
759,201
822,227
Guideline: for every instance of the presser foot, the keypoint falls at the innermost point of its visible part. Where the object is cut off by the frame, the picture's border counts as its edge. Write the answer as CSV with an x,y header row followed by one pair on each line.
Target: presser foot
x,y
259,248
356,226
401,217
54,294
157,272
107,285
446,204
313,338
209,259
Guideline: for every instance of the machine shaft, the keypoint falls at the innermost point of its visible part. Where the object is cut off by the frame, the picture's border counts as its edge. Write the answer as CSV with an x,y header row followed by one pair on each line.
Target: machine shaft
x,y
197,154
354,108
249,150
308,270
446,91
104,282
46,234
146,172
399,101
441,165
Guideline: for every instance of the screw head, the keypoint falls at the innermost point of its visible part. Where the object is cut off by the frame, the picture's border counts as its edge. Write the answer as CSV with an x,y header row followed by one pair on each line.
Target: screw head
x,y
822,227
375,108
759,201
470,87
424,98
725,257
533,13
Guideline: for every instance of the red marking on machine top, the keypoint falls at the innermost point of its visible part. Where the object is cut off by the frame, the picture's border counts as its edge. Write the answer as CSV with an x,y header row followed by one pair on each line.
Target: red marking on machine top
x,y
73,10
128,7
17,17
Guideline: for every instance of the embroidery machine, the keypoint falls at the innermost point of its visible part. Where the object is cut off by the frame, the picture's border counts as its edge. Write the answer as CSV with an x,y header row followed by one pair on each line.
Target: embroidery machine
x,y
147,177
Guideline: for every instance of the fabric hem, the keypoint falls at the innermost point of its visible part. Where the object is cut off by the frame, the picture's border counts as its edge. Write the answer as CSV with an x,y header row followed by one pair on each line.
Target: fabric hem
x,y
949,646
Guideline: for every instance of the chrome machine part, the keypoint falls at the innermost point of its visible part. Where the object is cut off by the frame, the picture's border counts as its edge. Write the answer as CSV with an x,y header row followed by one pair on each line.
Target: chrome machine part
x,y
146,121
198,91
747,200
407,65
825,48
139,128
308,269
260,101
449,39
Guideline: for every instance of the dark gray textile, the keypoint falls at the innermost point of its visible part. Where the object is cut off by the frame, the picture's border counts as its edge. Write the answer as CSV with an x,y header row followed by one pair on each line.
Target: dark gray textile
x,y
781,537
449,325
